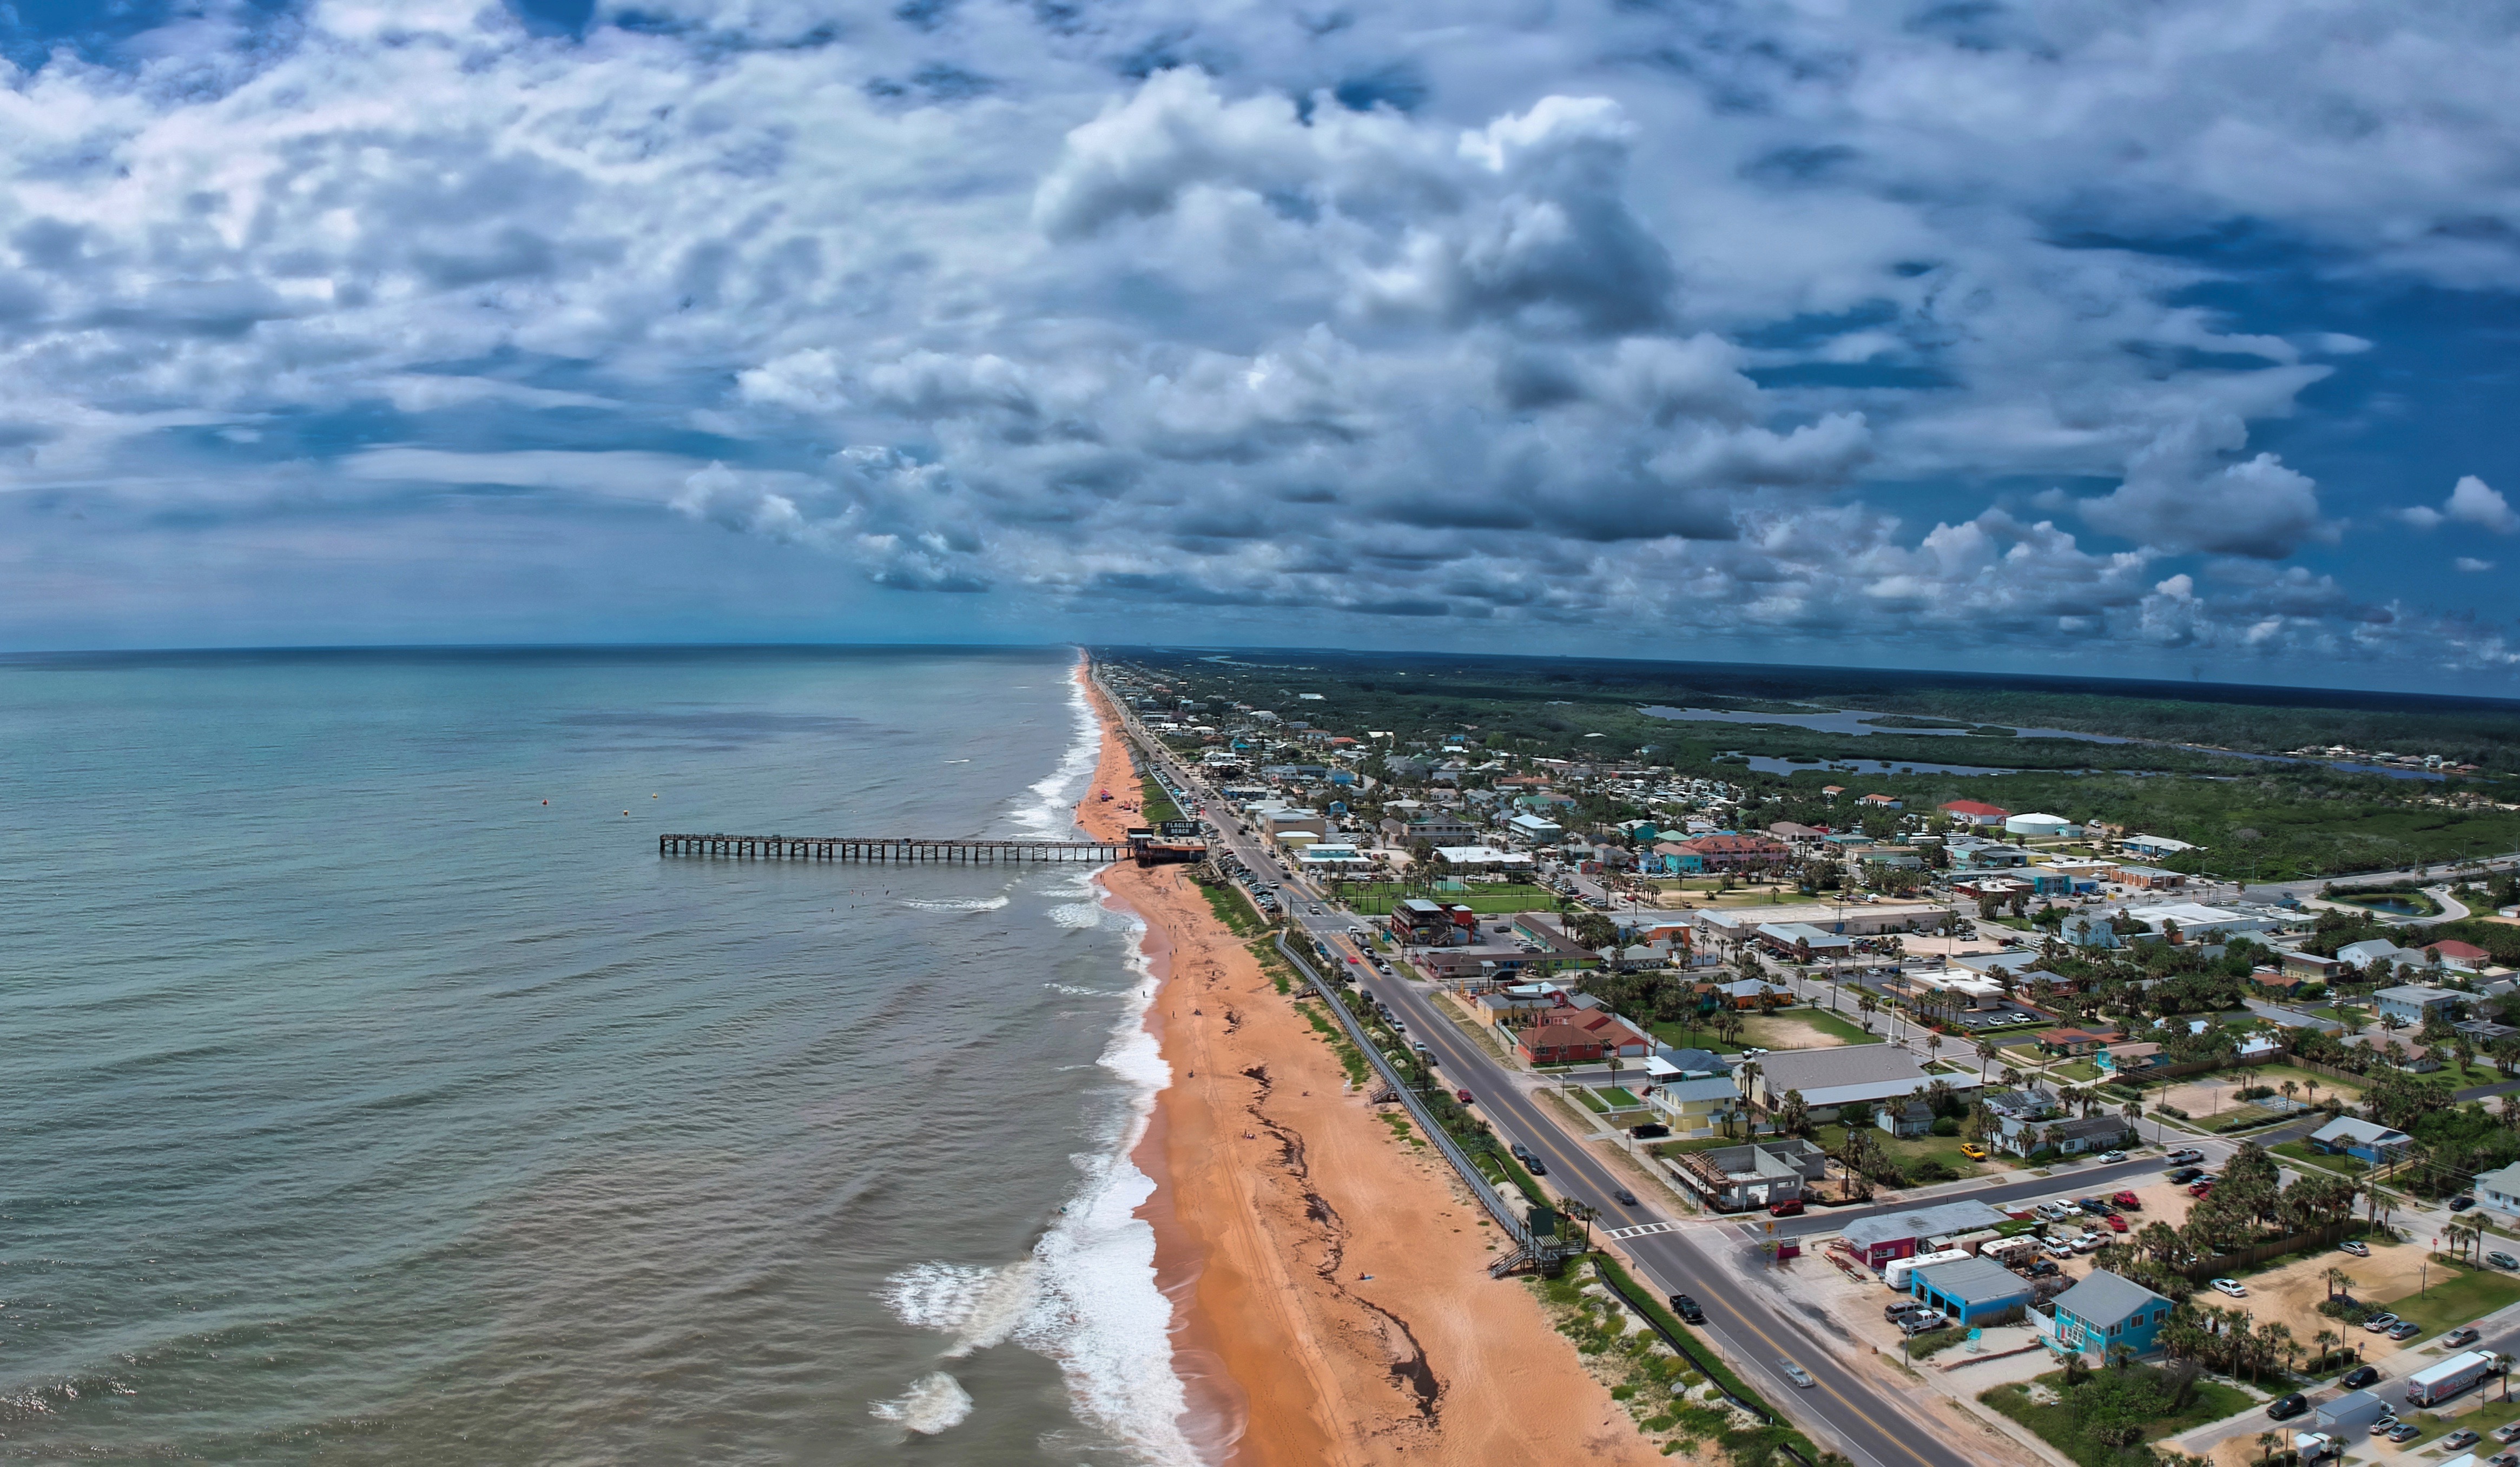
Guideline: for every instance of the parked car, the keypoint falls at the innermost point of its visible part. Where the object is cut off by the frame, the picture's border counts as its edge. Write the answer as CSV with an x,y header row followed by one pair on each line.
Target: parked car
x,y
2403,1431
1902,1309
1536,1166
2503,1260
2231,1287
2387,1423
1687,1308
2097,1207
2089,1242
2459,1441
1972,1150
1791,1207
2186,1175
2355,1247
2113,1156
2054,1211
2043,1269
2128,1200
2116,1223
2056,1248
2404,1329
2379,1321
1797,1374
2462,1203
1922,1323
2201,1188
2507,1433
2184,1155
2286,1407
1463,1096
2362,1375
2464,1335
2503,1459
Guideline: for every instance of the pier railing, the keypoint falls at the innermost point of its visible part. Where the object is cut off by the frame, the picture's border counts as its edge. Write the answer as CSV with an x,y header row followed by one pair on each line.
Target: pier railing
x,y
1525,1244
888,848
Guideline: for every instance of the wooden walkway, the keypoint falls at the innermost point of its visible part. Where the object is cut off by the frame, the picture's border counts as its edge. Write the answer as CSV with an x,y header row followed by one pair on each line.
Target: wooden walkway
x,y
894,848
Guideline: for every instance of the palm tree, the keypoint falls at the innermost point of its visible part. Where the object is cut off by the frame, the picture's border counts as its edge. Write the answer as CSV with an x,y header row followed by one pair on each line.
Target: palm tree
x,y
1986,1053
1867,1003
2338,1282
2326,1340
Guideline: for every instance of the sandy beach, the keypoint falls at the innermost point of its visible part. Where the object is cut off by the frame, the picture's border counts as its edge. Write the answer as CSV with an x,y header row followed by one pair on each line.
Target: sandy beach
x,y
1330,1298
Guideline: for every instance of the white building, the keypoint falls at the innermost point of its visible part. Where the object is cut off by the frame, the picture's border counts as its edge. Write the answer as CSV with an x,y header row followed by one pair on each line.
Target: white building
x,y
2042,825
1485,857
2155,847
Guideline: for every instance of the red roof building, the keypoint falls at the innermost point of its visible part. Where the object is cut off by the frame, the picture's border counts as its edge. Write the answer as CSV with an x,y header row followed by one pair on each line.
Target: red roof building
x,y
1977,812
1733,853
1572,1036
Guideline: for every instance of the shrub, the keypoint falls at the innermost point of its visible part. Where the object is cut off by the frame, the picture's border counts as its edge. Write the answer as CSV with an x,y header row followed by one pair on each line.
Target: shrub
x,y
1945,1125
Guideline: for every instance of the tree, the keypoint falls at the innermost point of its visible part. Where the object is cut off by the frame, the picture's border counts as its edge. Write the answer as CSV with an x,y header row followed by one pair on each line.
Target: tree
x,y
1793,1116
1987,1050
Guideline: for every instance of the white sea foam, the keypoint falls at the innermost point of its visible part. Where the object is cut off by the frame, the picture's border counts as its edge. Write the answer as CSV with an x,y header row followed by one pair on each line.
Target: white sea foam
x,y
1054,810
1077,914
1080,991
1097,1311
956,903
935,1402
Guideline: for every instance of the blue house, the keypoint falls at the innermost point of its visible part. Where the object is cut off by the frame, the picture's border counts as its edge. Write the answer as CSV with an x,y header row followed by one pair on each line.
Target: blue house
x,y
2107,1309
2366,1142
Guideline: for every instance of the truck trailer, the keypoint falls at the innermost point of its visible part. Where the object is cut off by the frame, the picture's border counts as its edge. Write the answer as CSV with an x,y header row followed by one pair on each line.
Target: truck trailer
x,y
2450,1377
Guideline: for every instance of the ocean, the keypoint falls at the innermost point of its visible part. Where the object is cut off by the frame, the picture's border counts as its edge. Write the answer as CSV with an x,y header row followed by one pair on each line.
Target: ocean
x,y
374,1094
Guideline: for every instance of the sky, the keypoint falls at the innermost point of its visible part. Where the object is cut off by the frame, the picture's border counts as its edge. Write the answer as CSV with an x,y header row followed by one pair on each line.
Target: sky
x,y
2162,339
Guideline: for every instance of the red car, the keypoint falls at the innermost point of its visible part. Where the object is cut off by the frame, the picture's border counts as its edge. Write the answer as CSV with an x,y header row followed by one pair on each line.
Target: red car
x,y
1462,1095
1788,1208
2116,1223
2128,1200
2200,1189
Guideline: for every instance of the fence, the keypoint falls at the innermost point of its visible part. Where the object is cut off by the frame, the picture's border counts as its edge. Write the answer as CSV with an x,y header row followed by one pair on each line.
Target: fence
x,y
1680,1348
1477,1181
2326,1236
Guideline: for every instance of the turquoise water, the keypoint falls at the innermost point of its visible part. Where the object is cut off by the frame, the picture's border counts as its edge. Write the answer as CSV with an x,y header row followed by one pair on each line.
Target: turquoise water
x,y
376,1094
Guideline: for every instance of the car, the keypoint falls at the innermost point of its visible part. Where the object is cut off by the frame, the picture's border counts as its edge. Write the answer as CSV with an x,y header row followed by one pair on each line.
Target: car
x,y
1923,1322
1791,1207
2459,1441
2231,1287
2464,1335
2116,1223
2043,1269
1972,1150
2286,1407
2054,1211
2462,1203
1625,1197
2385,1425
2379,1321
2201,1188
2113,1156
2506,1434
2089,1242
2184,1156
1465,1098
2503,1459
1536,1166
2403,1431
2362,1375
2097,1207
2128,1200
2186,1175
1687,1308
1903,1309
2404,1329
2503,1260
2355,1247
2056,1248
1797,1374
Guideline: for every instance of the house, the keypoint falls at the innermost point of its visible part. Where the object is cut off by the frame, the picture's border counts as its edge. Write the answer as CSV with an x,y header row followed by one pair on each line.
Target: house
x,y
2459,954
1801,942
2042,825
2310,966
2499,1190
2030,1103
2147,877
1534,828
2023,1135
1888,1238
1972,1290
1759,1173
2155,847
1975,813
1439,830
1830,792
1881,802
1687,1064
2104,1310
1856,1076
1904,1119
1573,1035
2067,1039
2368,1141
2086,929
1695,1107
1986,856
2129,1059
1739,993
2414,1002
1797,834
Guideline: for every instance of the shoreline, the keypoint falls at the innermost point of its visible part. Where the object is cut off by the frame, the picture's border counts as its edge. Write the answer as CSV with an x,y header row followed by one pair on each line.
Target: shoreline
x,y
1326,1276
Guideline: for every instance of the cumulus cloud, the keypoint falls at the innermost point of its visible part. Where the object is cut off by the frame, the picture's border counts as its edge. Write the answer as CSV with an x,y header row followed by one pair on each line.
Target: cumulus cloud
x,y
1591,316
2472,502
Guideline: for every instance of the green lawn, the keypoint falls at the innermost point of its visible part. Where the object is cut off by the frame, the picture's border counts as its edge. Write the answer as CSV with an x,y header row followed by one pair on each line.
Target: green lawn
x,y
2054,1424
1497,900
1942,1148
1591,1102
1849,1030
1620,1097
1158,806
1692,1037
2080,1071
2300,1151
2463,1297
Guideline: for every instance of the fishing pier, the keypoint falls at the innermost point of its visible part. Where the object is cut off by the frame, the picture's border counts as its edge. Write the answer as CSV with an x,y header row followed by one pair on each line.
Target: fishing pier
x,y
898,848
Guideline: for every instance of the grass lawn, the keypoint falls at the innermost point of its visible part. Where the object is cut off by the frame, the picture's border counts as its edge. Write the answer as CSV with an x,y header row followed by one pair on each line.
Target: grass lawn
x,y
1375,899
2276,1075
1156,805
1620,1097
2080,1071
2463,1297
2054,1424
1692,1037
1849,1030
1942,1148
2300,1151
1591,1102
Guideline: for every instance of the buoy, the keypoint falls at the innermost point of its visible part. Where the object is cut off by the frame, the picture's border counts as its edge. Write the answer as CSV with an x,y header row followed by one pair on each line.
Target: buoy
x,y
546,801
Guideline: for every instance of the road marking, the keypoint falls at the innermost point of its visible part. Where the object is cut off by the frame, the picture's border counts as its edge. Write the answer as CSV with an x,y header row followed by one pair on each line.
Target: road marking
x,y
1623,1233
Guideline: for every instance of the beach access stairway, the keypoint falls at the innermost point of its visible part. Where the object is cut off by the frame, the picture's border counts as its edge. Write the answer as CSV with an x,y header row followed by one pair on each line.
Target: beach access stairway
x,y
1527,1248
897,848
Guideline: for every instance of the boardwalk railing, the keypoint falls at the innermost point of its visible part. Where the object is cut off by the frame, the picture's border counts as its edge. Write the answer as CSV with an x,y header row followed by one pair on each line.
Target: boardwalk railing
x,y
893,848
1471,1177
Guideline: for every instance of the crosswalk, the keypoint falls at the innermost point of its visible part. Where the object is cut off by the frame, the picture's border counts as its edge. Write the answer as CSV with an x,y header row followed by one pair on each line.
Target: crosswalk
x,y
1617,1235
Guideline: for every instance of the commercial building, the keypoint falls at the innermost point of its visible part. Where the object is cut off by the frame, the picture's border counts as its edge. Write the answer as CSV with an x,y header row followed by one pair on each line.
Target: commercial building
x,y
2037,825
1976,812
1971,1290
1878,1240
1853,1075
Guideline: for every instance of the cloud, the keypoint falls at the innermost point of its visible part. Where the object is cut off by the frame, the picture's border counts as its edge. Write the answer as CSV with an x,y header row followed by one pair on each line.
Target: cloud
x,y
1590,319
2471,501
2471,565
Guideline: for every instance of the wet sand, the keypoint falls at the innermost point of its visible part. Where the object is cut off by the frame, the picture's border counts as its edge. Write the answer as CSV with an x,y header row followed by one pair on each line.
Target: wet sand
x,y
1330,1298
